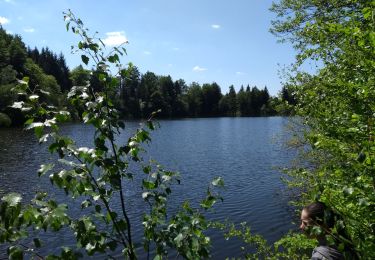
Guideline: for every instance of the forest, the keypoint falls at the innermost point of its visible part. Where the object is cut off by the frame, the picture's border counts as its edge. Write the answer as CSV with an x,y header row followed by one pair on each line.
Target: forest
x,y
137,95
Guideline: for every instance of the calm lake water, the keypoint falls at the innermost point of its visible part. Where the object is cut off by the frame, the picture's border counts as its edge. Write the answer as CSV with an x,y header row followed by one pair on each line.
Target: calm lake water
x,y
246,152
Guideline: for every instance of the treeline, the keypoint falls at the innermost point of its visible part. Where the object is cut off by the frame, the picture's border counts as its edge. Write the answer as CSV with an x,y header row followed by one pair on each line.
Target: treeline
x,y
137,96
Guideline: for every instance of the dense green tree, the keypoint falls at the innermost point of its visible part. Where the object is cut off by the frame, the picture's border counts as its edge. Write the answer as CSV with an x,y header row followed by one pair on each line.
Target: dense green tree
x,y
243,102
264,102
7,83
62,77
256,102
248,108
14,66
194,99
79,76
17,53
129,92
180,107
5,40
287,95
337,107
211,95
168,95
147,86
180,87
137,95
47,83
224,105
232,101
52,64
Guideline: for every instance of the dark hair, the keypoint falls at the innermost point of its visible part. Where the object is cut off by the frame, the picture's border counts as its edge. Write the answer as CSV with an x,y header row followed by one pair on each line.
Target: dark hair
x,y
320,214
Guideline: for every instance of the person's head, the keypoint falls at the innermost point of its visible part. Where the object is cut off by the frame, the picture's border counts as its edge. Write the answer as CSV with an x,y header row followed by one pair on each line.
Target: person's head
x,y
313,215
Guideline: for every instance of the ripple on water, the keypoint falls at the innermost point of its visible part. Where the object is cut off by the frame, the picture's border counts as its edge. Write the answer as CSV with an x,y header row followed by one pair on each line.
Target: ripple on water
x,y
241,150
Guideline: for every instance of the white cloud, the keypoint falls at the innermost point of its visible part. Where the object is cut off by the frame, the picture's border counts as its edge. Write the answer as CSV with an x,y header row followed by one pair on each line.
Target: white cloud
x,y
147,53
4,20
115,38
197,68
29,30
215,26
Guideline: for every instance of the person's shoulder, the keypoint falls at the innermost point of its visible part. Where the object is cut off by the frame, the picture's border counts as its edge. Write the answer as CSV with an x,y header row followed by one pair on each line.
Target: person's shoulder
x,y
326,253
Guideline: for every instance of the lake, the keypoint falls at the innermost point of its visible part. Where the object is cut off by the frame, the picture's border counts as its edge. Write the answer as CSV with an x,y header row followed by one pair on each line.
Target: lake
x,y
246,152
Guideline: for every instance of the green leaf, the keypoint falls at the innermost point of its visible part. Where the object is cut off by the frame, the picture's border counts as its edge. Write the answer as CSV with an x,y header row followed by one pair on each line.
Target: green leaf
x,y
85,59
113,58
44,168
34,125
147,169
38,131
86,203
12,199
37,242
44,138
26,80
34,97
150,125
17,105
62,116
29,121
178,239
348,191
158,257
15,253
218,182
208,202
148,185
44,92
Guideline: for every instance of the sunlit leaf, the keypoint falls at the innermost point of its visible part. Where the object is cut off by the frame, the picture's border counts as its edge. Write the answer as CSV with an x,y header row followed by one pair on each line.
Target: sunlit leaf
x,y
12,199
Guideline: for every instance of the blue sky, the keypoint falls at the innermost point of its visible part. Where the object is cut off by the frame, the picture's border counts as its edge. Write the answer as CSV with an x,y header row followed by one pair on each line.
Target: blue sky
x,y
197,40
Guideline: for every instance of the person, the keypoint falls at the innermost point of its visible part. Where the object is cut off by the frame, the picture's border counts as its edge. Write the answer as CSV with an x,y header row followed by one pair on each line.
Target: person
x,y
316,214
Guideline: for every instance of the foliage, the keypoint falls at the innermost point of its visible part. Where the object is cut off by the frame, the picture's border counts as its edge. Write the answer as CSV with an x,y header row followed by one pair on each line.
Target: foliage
x,y
14,65
337,111
142,94
98,175
137,96
291,246
79,76
52,65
